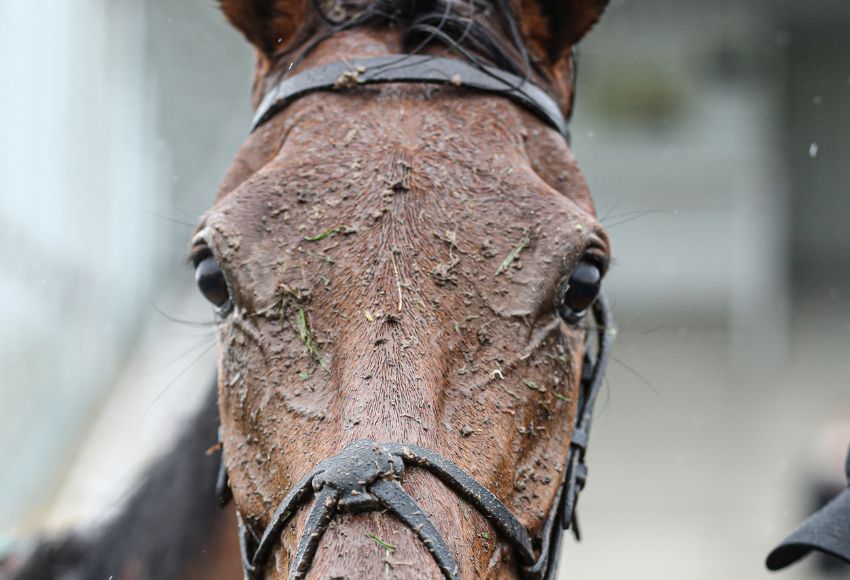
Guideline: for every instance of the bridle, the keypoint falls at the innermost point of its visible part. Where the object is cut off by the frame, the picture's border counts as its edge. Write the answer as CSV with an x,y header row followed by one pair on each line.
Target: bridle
x,y
411,68
366,476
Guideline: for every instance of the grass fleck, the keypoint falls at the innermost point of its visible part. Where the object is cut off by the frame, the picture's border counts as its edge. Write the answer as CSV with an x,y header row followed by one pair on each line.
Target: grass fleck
x,y
306,336
321,256
485,535
534,386
561,397
397,280
506,263
380,542
345,230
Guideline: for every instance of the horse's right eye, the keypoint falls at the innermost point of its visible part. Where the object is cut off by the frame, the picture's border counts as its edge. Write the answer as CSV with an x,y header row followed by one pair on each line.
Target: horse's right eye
x,y
211,282
580,292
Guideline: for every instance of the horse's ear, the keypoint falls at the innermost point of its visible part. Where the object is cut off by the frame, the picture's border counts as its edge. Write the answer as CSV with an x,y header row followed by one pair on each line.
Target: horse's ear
x,y
553,26
267,24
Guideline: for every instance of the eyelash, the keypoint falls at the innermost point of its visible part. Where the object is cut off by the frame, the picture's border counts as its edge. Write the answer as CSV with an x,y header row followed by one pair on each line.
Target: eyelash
x,y
198,254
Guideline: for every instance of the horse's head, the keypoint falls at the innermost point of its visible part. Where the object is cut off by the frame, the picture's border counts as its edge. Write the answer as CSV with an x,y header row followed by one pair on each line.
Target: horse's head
x,y
402,263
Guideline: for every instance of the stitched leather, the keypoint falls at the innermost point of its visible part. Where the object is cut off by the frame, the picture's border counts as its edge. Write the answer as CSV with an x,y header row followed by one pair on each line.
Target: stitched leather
x,y
340,76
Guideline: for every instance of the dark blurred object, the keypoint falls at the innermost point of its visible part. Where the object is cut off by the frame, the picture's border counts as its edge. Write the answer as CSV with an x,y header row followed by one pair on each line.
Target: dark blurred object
x,y
827,565
826,531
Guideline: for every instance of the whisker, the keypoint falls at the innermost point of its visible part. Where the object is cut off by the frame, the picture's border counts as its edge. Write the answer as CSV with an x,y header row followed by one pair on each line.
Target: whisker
x,y
180,375
189,351
654,329
608,213
638,214
632,370
606,389
169,219
632,326
193,323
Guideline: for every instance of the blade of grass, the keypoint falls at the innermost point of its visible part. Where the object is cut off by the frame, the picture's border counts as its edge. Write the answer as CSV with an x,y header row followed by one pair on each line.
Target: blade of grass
x,y
506,263
345,230
380,542
306,336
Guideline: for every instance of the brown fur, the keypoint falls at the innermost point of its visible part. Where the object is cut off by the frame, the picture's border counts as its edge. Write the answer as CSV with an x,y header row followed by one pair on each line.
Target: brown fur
x,y
553,26
267,24
418,339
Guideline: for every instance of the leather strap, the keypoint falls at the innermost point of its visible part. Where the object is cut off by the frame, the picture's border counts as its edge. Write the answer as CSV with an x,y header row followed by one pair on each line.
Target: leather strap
x,y
411,68
562,515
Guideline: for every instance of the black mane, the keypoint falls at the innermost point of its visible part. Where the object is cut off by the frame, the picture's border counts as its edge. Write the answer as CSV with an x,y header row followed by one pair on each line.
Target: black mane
x,y
166,520
482,31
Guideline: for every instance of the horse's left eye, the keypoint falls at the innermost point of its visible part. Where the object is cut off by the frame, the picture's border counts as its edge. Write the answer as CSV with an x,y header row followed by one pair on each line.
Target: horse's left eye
x,y
211,282
580,291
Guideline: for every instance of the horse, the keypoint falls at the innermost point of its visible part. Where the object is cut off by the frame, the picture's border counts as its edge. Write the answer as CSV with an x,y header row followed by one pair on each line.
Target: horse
x,y
405,267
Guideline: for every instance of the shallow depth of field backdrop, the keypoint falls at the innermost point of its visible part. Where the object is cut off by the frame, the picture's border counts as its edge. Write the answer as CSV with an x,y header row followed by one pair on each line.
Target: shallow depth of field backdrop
x,y
716,140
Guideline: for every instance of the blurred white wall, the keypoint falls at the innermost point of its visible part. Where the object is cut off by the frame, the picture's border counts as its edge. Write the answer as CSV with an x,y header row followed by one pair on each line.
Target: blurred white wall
x,y
81,179
695,129
122,121
680,142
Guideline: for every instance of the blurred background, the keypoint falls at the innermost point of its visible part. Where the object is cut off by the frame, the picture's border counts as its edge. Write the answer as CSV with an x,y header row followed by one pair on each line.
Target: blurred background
x,y
715,137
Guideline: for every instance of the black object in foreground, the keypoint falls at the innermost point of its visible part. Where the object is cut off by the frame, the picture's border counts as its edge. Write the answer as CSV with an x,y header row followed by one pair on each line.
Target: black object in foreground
x,y
827,531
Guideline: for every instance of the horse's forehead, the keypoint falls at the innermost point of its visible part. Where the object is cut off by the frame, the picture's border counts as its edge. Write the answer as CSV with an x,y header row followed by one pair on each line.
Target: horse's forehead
x,y
415,204
482,180
451,138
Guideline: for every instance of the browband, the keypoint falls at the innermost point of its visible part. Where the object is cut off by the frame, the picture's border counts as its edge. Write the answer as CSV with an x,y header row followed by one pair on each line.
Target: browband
x,y
411,68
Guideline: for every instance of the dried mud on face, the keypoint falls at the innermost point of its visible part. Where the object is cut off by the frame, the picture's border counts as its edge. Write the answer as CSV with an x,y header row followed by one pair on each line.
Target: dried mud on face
x,y
395,279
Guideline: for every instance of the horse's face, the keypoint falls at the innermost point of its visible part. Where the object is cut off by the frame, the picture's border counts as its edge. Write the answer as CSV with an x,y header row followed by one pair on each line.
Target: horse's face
x,y
389,264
